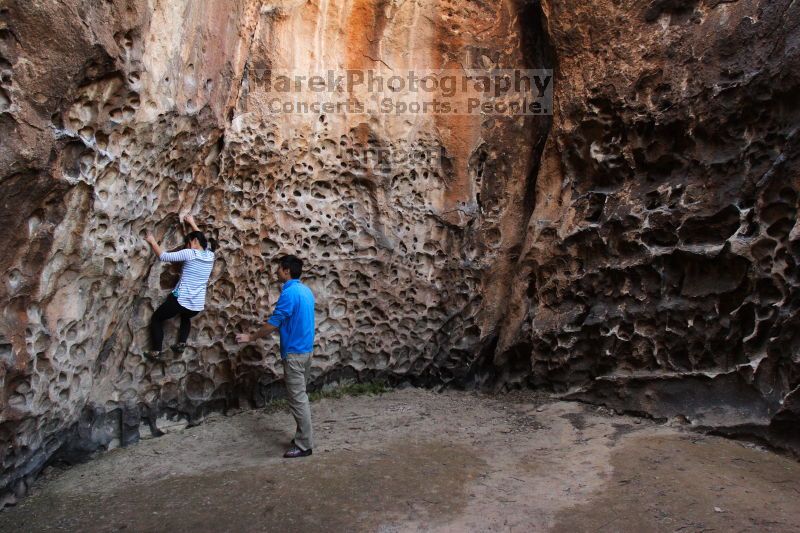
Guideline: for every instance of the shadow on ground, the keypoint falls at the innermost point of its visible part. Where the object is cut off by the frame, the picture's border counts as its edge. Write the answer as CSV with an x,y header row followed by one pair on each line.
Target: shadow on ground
x,y
418,461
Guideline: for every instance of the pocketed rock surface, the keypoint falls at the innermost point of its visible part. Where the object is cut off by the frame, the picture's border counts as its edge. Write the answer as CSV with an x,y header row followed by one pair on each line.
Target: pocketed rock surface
x,y
637,249
414,460
119,117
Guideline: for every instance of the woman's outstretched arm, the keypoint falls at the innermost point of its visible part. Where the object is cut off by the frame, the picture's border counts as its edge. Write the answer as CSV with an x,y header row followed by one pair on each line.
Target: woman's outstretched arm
x,y
190,220
170,257
151,240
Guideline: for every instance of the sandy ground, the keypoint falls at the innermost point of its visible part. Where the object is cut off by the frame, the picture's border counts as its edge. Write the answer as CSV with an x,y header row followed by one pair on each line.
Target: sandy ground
x,y
415,460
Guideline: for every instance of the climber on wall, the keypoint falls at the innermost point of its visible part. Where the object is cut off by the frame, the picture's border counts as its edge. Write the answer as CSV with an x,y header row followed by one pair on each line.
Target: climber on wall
x,y
189,296
293,318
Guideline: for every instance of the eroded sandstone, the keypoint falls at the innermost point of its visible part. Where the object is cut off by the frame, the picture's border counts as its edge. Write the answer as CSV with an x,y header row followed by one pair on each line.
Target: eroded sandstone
x,y
159,110
638,249
659,272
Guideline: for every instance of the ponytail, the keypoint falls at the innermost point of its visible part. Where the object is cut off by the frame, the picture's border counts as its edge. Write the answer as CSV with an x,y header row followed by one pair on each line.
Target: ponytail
x,y
200,238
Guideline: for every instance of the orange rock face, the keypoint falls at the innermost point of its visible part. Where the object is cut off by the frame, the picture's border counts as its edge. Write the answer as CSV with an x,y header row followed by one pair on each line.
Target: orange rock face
x,y
638,247
120,117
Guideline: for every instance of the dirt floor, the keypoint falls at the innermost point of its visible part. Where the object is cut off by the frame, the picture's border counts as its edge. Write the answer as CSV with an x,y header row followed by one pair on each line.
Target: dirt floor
x,y
415,460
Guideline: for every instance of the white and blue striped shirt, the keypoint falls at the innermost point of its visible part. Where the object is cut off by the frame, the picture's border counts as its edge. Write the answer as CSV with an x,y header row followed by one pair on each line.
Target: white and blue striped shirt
x,y
197,267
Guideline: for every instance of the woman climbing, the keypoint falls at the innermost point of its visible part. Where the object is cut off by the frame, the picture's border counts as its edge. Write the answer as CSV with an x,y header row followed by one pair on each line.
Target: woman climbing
x,y
189,296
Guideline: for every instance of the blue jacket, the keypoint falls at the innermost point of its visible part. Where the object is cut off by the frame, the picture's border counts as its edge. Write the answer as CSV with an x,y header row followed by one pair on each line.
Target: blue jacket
x,y
294,318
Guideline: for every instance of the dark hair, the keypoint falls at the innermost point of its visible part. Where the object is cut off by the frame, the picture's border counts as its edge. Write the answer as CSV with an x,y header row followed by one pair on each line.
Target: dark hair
x,y
293,264
200,238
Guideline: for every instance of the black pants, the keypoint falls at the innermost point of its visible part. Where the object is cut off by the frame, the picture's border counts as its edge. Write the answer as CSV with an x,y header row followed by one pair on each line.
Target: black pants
x,y
169,309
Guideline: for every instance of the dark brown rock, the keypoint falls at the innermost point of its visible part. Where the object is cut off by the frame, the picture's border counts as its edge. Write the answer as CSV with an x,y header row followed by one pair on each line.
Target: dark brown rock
x,y
660,269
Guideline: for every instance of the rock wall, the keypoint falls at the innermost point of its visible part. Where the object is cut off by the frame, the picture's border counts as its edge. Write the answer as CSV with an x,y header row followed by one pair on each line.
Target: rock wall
x,y
637,248
659,271
120,117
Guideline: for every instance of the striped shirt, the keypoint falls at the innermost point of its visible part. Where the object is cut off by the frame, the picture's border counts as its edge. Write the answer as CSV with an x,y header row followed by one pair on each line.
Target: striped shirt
x,y
197,267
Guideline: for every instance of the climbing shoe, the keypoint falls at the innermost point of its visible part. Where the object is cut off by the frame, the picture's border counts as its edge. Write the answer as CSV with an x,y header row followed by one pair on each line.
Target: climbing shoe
x,y
179,348
154,356
297,452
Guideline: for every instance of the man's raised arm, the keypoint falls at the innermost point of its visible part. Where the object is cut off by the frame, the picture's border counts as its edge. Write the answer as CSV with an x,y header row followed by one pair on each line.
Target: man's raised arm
x,y
283,310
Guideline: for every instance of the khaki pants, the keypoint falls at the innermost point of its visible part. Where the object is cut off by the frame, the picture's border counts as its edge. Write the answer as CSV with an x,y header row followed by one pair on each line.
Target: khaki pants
x,y
296,371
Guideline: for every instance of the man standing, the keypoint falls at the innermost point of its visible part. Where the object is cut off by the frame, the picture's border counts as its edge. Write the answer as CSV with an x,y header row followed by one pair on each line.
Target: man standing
x,y
293,318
